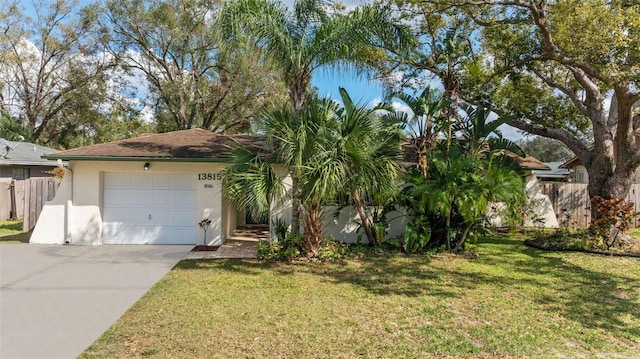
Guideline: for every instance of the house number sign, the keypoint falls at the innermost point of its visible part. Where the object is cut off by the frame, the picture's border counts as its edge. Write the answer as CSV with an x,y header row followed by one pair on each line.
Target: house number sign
x,y
209,176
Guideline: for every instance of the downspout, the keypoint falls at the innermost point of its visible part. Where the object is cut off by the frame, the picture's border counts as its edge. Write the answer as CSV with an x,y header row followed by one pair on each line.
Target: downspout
x,y
69,204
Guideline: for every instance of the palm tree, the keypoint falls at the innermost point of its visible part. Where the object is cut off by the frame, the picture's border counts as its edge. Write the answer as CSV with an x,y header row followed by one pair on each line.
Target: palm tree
x,y
300,141
368,149
481,135
464,186
330,150
313,35
425,125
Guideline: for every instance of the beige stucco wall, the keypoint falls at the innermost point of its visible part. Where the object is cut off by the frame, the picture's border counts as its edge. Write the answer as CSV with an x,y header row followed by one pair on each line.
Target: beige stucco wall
x,y
541,203
84,219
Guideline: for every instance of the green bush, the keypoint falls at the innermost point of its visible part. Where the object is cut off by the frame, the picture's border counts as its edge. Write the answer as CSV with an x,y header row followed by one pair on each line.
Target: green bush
x,y
332,249
286,248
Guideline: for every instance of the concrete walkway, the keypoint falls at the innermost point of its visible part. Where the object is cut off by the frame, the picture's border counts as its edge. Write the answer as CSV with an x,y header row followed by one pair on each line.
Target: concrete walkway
x,y
232,248
56,300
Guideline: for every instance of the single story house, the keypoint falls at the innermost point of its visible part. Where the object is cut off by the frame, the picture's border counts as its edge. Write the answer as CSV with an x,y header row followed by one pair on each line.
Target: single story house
x,y
21,160
154,189
555,173
580,174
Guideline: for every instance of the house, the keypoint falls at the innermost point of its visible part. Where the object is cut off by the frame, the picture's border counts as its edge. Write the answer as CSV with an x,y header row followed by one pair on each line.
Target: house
x,y
555,173
580,174
21,160
153,189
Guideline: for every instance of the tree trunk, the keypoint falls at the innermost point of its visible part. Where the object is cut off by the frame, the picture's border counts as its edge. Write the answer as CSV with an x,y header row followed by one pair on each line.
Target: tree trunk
x,y
295,206
364,219
463,237
312,239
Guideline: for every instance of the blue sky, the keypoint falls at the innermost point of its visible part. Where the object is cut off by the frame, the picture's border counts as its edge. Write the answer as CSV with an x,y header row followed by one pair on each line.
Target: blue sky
x,y
359,88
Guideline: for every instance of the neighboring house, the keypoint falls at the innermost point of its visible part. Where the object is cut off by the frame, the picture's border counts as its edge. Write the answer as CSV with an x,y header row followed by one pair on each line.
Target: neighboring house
x,y
580,174
540,209
154,189
555,173
21,160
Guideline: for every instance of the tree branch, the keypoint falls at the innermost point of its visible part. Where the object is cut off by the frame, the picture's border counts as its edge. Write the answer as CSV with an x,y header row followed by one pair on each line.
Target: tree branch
x,y
565,90
564,136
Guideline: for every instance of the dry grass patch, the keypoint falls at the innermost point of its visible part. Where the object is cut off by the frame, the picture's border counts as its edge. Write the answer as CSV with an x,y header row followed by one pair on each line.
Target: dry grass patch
x,y
510,301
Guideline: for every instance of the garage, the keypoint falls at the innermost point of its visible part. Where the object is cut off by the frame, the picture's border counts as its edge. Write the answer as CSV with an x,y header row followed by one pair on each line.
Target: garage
x,y
149,208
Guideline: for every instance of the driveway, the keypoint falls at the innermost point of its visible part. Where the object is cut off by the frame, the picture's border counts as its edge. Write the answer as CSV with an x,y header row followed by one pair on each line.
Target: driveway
x,y
56,300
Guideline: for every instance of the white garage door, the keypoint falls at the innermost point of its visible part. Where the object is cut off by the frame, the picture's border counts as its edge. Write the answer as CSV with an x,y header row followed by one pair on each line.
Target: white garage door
x,y
149,208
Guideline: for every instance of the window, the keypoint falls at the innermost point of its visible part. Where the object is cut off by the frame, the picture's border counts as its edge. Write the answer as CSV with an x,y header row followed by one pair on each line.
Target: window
x,y
580,177
20,173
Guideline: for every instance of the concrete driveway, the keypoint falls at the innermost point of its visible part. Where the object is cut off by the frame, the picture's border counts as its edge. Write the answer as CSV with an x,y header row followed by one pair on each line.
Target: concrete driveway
x,y
56,300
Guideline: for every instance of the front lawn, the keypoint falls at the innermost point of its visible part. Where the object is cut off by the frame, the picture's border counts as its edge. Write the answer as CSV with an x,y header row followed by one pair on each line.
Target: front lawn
x,y
11,232
509,301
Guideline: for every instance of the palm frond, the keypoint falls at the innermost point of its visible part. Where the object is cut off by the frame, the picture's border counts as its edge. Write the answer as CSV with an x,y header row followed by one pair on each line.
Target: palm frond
x,y
251,183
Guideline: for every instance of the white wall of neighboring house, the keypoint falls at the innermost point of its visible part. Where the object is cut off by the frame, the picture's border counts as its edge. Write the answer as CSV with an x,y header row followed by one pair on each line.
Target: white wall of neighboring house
x,y
580,174
539,207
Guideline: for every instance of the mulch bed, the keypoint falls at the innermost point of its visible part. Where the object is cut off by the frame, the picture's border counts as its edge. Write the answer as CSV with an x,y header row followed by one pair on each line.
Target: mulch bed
x,y
202,248
546,247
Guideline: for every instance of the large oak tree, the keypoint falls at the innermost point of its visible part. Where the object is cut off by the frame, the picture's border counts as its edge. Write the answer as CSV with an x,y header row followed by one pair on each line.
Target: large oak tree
x,y
565,69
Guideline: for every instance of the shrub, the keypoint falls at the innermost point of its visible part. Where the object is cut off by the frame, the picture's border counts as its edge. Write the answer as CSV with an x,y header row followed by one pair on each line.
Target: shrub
x,y
287,248
613,218
332,249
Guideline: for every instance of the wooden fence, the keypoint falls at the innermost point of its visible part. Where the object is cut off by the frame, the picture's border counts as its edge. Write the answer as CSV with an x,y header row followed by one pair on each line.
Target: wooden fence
x,y
572,206
24,199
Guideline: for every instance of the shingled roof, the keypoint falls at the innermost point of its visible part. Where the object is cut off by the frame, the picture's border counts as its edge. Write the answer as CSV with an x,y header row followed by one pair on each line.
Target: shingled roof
x,y
197,145
525,163
24,154
186,145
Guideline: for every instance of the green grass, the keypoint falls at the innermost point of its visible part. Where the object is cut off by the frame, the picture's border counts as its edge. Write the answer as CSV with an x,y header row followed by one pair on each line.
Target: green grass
x,y
11,232
511,301
635,233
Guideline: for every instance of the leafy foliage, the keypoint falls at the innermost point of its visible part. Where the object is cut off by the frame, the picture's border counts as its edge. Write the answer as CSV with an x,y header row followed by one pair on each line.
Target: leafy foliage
x,y
468,172
545,149
613,219
48,62
193,78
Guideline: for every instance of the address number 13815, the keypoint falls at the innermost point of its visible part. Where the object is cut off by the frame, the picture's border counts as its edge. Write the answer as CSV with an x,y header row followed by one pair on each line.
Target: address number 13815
x,y
209,176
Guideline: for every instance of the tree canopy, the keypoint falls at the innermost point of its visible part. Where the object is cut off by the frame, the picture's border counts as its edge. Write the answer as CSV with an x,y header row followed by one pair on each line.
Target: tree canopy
x,y
194,78
47,62
566,70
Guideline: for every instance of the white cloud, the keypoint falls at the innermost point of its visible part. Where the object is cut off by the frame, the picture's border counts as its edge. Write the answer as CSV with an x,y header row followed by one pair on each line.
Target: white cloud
x,y
510,133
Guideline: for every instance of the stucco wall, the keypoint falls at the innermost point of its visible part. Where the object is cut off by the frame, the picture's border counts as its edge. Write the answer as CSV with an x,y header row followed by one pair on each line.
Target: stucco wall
x,y
51,227
344,228
84,222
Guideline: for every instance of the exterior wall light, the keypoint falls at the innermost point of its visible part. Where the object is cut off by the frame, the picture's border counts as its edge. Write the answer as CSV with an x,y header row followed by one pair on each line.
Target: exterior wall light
x,y
146,166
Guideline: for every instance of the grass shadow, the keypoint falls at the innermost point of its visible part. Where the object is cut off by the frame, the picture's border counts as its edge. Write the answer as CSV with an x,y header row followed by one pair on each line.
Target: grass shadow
x,y
15,238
